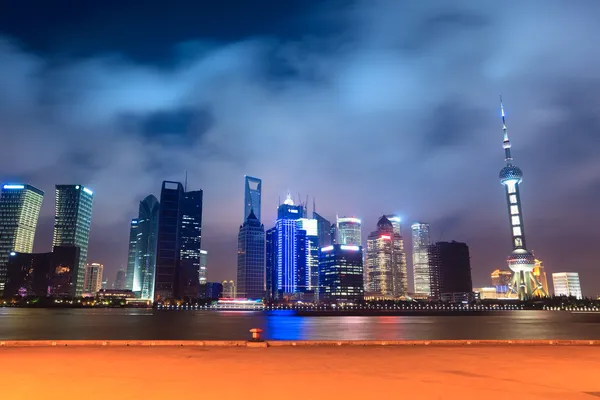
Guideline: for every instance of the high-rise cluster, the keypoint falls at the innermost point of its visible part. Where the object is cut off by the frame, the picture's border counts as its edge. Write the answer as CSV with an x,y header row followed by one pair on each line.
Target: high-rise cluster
x,y
57,273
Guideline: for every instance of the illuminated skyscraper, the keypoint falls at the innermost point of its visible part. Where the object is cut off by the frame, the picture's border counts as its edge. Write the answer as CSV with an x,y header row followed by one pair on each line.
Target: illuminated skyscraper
x,y
450,270
386,262
72,226
323,229
567,284
349,231
395,220
92,282
521,261
19,212
308,257
420,257
341,274
251,259
120,280
178,243
229,289
271,263
203,266
253,187
145,250
132,260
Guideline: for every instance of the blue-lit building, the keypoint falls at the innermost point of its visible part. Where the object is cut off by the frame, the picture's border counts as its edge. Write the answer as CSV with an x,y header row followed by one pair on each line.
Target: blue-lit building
x,y
252,193
271,262
308,254
286,252
341,274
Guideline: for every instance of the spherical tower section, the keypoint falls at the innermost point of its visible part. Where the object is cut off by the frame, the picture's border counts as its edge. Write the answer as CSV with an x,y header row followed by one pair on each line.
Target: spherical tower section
x,y
511,173
521,260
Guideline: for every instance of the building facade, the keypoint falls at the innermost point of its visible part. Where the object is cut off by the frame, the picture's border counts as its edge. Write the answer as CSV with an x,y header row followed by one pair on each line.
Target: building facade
x,y
308,254
42,274
286,256
323,229
349,231
190,236
120,281
501,279
450,269
251,259
132,260
229,290
203,266
341,274
252,197
19,213
271,263
420,257
540,274
386,262
395,220
567,284
72,226
92,282
145,248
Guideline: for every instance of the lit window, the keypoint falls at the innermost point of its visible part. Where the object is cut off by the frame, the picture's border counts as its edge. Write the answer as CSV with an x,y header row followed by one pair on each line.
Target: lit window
x,y
512,186
517,231
516,220
513,199
514,210
518,242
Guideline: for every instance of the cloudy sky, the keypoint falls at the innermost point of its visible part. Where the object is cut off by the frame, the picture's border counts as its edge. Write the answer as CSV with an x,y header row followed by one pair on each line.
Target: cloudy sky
x,y
369,106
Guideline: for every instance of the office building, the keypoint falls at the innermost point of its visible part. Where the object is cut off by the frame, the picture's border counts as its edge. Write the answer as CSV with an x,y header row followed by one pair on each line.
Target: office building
x,y
145,248
540,274
19,213
179,243
521,261
229,289
341,274
488,293
501,279
92,282
308,254
42,274
420,257
349,231
132,260
72,226
323,229
211,290
120,281
203,266
190,236
386,262
271,263
251,259
286,249
252,192
450,270
567,284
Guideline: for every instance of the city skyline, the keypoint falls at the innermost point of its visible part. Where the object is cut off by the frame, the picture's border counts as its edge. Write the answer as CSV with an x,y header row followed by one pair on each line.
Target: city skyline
x,y
412,107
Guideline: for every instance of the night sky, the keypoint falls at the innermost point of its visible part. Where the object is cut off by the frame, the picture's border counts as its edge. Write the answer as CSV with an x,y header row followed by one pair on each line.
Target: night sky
x,y
371,107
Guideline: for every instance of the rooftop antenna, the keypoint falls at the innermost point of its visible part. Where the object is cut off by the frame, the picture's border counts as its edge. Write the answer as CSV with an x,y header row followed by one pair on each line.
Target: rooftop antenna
x,y
185,186
314,205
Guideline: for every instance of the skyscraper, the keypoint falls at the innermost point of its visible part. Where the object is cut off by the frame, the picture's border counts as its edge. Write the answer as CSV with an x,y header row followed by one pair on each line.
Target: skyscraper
x,y
450,269
567,284
323,230
120,280
341,274
386,262
252,197
72,226
19,213
286,248
229,289
190,240
132,259
92,282
203,266
251,259
145,250
168,243
521,261
348,231
271,262
308,254
395,220
179,242
420,257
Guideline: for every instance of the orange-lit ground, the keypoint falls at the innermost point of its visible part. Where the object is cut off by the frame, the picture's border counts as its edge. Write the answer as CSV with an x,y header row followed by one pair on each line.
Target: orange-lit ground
x,y
115,373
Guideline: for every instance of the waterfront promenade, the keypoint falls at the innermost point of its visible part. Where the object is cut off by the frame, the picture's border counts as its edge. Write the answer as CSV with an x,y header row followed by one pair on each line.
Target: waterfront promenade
x,y
434,371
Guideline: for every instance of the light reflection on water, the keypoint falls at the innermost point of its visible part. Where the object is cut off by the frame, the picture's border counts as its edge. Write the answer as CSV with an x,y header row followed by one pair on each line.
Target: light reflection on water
x,y
143,324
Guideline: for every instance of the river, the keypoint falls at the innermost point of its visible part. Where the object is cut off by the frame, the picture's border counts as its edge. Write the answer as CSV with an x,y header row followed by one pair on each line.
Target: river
x,y
148,324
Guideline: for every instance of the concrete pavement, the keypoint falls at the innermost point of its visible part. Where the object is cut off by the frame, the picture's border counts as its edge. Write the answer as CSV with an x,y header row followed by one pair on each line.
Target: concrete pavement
x,y
311,372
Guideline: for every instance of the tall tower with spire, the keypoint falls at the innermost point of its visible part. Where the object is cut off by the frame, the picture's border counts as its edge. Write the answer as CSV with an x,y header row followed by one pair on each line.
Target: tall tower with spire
x,y
521,261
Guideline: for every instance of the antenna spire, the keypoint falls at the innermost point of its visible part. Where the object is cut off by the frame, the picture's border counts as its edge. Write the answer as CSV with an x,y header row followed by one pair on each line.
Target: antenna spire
x,y
506,143
185,186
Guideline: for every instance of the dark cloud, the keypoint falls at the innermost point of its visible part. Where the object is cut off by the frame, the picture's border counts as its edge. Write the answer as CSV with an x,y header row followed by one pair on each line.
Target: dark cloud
x,y
395,109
